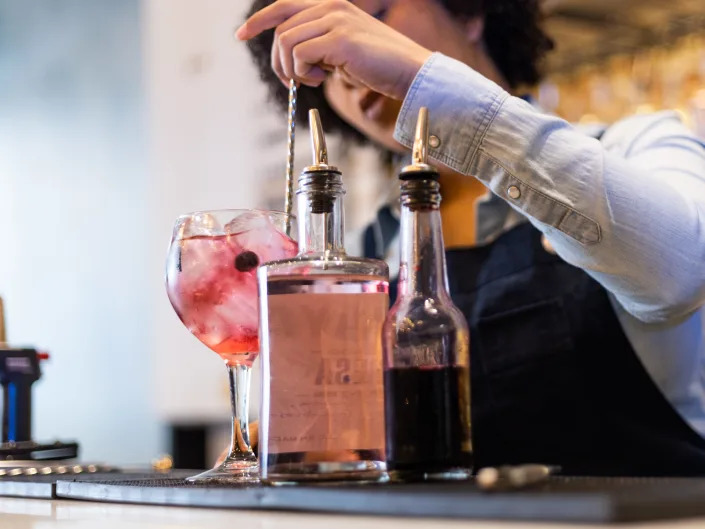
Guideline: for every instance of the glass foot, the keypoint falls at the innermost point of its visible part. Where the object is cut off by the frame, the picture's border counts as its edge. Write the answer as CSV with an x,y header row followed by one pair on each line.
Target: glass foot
x,y
229,473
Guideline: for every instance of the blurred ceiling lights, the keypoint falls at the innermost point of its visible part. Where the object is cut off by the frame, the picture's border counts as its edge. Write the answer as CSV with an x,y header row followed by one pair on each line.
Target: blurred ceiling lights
x,y
587,31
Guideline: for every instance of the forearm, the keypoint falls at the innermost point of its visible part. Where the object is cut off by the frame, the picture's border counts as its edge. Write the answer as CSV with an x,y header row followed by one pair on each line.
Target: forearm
x,y
635,223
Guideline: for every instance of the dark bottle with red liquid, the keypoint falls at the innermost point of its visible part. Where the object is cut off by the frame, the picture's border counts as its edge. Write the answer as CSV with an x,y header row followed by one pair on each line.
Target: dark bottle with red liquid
x,y
426,342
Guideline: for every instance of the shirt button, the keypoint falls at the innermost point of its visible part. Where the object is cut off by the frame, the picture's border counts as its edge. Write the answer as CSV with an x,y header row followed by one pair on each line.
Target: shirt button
x,y
434,141
513,192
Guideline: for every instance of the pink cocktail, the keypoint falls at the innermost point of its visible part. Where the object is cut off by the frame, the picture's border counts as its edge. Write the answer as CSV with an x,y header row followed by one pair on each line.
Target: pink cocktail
x,y
211,281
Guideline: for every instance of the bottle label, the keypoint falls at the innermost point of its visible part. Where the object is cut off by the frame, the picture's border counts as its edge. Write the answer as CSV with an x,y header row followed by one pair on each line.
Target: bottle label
x,y
326,380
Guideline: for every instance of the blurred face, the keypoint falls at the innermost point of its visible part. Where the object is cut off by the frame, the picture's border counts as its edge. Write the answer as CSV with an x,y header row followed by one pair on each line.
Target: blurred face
x,y
425,21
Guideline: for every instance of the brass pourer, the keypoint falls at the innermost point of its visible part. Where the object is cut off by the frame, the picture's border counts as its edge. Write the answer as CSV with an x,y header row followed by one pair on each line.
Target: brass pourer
x,y
419,153
320,183
318,145
419,187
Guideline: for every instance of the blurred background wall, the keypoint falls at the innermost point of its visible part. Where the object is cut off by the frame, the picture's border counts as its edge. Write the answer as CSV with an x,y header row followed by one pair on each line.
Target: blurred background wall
x,y
117,116
74,210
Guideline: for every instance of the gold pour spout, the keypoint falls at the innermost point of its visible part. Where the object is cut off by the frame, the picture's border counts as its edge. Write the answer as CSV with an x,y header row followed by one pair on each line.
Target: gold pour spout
x,y
419,154
318,144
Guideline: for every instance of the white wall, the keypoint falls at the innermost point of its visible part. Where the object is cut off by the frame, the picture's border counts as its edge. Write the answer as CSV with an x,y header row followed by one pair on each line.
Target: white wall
x,y
73,214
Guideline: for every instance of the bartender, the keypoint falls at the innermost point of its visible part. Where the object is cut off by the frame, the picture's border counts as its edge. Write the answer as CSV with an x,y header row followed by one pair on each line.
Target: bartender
x,y
578,259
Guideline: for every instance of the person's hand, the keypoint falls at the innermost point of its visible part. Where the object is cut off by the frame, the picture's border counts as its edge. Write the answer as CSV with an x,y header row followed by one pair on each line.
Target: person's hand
x,y
314,37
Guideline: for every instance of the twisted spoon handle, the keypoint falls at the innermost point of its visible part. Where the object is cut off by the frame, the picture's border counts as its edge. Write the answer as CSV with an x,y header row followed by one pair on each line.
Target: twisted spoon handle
x,y
289,198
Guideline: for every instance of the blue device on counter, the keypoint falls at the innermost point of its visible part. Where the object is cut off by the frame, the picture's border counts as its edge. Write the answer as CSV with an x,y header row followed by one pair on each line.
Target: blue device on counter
x,y
19,369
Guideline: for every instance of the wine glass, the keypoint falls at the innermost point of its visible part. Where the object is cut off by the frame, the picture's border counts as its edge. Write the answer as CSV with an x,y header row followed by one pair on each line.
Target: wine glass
x,y
211,282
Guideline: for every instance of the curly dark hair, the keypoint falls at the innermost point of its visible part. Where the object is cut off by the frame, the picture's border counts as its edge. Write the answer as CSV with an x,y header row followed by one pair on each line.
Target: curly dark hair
x,y
513,36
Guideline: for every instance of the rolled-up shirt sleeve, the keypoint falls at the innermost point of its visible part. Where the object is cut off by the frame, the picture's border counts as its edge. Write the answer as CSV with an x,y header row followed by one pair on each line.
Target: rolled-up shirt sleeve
x,y
630,209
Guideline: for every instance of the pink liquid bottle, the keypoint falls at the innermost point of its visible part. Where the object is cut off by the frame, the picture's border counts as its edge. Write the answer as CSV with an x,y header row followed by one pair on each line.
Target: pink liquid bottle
x,y
426,341
322,416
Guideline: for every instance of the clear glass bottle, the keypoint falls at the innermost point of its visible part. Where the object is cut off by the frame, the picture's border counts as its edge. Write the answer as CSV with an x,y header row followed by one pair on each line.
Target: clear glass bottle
x,y
322,416
426,341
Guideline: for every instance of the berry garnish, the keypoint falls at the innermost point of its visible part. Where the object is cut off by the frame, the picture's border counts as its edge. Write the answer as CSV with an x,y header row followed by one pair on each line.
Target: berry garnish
x,y
246,261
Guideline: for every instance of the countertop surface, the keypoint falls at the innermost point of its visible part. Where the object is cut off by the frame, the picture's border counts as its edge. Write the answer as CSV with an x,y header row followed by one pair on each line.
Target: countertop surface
x,y
63,514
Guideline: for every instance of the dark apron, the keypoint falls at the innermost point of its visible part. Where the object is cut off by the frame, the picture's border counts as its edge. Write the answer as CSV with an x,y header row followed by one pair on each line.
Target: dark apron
x,y
554,378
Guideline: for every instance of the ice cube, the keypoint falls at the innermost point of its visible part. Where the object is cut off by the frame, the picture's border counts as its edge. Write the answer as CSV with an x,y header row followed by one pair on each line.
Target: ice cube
x,y
199,224
248,220
261,236
203,257
239,309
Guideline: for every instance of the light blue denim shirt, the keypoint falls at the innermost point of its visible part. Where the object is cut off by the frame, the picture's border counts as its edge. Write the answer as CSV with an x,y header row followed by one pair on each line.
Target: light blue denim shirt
x,y
629,209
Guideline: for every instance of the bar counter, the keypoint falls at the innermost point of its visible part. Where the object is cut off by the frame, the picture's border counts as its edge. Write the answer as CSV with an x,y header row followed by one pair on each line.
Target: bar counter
x,y
64,514
166,500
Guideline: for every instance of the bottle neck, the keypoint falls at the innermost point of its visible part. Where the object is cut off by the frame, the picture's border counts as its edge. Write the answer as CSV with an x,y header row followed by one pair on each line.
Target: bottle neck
x,y
321,222
423,266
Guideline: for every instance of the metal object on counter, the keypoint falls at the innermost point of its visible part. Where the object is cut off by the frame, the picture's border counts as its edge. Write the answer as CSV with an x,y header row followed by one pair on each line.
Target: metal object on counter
x,y
291,131
18,468
517,477
19,369
17,452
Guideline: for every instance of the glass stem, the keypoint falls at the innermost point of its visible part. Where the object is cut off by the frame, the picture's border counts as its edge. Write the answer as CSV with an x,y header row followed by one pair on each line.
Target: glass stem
x,y
239,377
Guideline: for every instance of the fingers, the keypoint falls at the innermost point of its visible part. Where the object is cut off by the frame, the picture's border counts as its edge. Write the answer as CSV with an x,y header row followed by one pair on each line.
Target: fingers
x,y
347,80
311,59
314,76
320,10
284,58
271,16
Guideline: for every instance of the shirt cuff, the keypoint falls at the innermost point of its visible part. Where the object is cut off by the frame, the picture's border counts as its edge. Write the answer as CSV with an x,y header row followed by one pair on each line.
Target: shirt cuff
x,y
477,129
455,120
